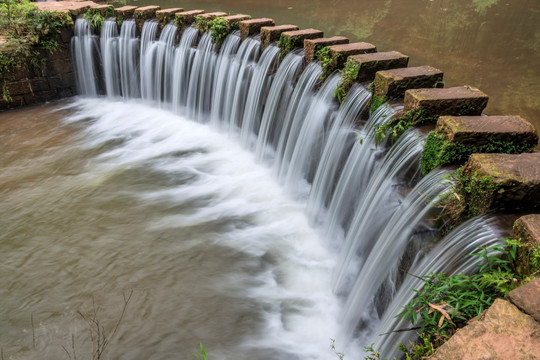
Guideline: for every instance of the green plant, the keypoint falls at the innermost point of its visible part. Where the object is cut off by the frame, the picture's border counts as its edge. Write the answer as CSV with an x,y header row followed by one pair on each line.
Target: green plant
x,y
377,101
201,24
394,128
219,28
287,43
202,356
95,18
349,74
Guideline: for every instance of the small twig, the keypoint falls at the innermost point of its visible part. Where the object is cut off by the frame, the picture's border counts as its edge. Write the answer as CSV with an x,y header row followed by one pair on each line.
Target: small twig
x,y
400,330
416,276
33,331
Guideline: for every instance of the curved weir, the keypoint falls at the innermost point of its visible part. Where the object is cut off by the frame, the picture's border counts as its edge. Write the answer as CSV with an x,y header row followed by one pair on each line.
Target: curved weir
x,y
303,284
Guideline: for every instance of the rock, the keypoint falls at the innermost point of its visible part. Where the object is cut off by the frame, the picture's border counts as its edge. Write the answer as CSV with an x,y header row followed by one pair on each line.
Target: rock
x,y
527,298
503,333
393,83
145,13
104,10
499,181
370,63
235,19
434,102
526,228
125,11
272,33
457,137
167,15
75,8
185,18
253,26
311,46
295,39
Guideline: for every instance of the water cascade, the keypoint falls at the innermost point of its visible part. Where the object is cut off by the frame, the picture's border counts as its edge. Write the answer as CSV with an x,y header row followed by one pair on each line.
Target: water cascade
x,y
364,198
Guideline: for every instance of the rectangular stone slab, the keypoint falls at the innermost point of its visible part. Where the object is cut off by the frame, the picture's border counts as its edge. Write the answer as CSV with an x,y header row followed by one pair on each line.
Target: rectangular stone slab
x,y
166,15
516,177
102,8
372,62
233,19
313,45
145,13
272,33
253,26
458,101
74,7
185,18
479,130
339,53
393,83
125,11
212,15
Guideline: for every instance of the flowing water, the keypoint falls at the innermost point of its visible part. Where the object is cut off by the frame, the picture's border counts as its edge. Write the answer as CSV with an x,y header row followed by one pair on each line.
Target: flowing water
x,y
238,203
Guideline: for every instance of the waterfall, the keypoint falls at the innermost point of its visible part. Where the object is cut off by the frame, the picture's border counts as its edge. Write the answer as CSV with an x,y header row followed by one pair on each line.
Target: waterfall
x,y
365,199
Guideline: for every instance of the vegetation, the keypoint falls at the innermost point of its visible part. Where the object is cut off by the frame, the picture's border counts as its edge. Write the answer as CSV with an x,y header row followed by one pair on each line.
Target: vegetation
x,y
377,101
220,28
438,151
95,18
201,24
27,31
202,356
394,128
287,43
349,75
446,303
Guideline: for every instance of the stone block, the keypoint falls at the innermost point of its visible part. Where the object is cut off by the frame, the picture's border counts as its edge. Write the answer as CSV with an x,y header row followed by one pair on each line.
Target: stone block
x,y
235,19
370,63
167,15
311,46
339,53
212,15
434,102
527,298
39,97
20,87
393,83
501,181
185,18
15,101
202,21
59,66
253,26
39,84
125,11
270,34
526,228
75,8
457,137
60,81
295,39
502,333
104,9
145,13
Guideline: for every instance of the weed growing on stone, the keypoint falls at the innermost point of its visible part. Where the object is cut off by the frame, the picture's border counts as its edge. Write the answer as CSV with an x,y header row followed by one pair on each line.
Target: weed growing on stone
x,y
95,18
287,43
394,128
349,74
202,356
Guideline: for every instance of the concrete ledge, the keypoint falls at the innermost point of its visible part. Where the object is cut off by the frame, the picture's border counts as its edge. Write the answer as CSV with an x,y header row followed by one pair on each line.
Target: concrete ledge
x,y
372,62
75,8
457,101
253,26
526,228
211,15
311,46
125,11
393,83
272,33
185,18
456,138
166,15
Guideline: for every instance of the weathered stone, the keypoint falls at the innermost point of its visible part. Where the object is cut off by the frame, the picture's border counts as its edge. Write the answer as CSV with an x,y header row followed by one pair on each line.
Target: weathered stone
x,y
295,39
12,102
145,13
457,137
75,8
434,102
235,19
250,27
372,62
273,33
481,130
503,333
39,84
311,46
526,228
61,81
339,53
167,15
104,9
393,83
125,11
39,97
211,15
202,21
59,66
20,87
527,298
499,181
185,18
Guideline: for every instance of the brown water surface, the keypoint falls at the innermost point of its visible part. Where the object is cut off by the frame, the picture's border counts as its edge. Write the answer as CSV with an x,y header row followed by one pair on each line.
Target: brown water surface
x,y
493,45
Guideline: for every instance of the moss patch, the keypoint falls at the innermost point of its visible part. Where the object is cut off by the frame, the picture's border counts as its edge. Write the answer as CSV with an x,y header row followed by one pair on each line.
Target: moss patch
x,y
438,151
349,74
394,128
287,43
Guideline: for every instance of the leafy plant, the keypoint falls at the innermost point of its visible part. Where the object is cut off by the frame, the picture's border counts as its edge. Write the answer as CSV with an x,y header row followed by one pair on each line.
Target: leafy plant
x,y
349,74
287,43
219,29
95,18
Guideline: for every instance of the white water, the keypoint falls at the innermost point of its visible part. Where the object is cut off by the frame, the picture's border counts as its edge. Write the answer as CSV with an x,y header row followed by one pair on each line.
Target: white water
x,y
355,190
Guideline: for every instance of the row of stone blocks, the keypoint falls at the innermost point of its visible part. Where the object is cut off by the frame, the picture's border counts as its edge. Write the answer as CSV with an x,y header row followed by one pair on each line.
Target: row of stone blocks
x,y
456,111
